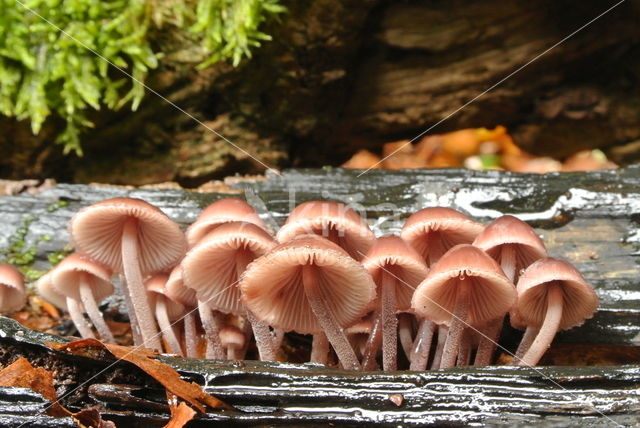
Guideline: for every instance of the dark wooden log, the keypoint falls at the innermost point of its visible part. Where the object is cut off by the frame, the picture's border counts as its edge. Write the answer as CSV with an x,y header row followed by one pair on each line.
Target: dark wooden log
x,y
266,394
590,219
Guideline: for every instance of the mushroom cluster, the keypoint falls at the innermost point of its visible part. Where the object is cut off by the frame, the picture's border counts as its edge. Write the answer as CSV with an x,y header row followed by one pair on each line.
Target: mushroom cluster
x,y
439,292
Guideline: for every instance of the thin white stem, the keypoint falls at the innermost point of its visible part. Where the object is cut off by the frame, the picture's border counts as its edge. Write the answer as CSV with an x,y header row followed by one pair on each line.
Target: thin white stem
x,y
373,344
90,305
405,333
555,302
320,349
131,267
458,323
464,353
488,342
508,261
75,311
263,336
422,345
191,334
389,322
525,343
443,332
133,321
166,328
322,311
212,323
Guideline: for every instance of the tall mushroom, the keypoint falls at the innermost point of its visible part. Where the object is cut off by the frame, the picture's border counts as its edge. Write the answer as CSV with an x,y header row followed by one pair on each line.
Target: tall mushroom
x,y
213,268
134,237
81,279
397,270
177,291
552,295
514,245
167,311
310,285
12,294
332,220
464,288
219,212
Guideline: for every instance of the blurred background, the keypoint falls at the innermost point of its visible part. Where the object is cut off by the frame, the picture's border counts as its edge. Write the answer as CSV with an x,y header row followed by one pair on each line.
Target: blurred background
x,y
313,83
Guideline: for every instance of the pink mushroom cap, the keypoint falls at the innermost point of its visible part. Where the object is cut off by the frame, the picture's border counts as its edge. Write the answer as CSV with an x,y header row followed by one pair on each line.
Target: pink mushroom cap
x,y
491,293
176,290
326,217
273,290
12,290
66,276
155,286
97,231
580,300
219,212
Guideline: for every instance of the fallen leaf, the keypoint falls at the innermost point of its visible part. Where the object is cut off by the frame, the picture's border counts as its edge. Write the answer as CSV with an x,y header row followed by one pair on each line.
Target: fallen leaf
x,y
181,414
144,359
362,159
21,373
90,418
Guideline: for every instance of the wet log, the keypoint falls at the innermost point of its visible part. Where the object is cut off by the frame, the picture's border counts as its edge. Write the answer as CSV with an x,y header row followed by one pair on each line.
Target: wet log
x,y
267,394
590,219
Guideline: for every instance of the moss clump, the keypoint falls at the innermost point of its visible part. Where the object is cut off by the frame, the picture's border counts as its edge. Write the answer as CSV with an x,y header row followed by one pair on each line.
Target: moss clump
x,y
59,56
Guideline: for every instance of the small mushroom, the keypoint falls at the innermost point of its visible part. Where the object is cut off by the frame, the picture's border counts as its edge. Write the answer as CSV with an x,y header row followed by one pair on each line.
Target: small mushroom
x,y
219,212
133,237
12,294
310,285
396,269
168,312
552,296
234,340
464,288
332,220
81,279
178,292
45,290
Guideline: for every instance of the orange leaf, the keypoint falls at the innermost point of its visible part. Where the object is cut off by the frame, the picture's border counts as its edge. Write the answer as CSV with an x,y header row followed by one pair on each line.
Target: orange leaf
x,y
21,373
90,418
180,415
143,358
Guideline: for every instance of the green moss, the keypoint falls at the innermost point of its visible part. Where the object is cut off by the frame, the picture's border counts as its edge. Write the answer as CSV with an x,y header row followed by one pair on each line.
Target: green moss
x,y
58,57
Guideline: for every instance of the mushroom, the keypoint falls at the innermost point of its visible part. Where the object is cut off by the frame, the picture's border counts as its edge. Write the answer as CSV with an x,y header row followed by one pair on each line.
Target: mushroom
x,y
213,268
234,340
464,288
81,279
178,292
134,237
332,220
219,212
514,245
45,289
396,269
168,312
310,285
73,307
552,296
12,294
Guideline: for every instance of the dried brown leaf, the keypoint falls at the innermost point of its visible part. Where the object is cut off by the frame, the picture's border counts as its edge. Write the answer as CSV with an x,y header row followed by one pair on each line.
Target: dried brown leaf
x,y
90,418
180,415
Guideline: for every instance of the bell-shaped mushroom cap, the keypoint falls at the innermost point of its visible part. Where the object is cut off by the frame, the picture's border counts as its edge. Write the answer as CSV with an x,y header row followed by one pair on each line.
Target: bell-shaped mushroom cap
x,y
210,268
232,337
452,226
511,230
176,290
332,220
273,290
394,255
222,211
45,289
155,286
13,296
66,276
491,293
580,300
97,231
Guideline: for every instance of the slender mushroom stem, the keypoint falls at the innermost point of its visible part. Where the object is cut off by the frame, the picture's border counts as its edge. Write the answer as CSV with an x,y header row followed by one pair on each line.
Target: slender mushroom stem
x,y
405,333
320,349
525,343
389,322
131,267
166,327
133,321
555,301
373,344
190,334
422,345
90,305
464,354
322,311
212,324
75,311
443,332
261,331
508,261
458,323
488,342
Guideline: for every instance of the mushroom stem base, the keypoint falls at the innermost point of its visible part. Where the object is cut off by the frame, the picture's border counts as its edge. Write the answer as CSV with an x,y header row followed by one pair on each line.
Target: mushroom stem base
x,y
422,345
458,324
